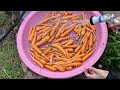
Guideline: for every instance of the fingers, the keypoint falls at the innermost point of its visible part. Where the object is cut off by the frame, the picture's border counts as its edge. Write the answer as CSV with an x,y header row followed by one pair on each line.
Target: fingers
x,y
114,25
87,74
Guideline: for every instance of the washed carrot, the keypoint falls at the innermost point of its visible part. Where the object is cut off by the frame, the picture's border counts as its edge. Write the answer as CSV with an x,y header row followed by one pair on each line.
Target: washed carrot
x,y
70,26
46,32
37,62
59,32
69,12
92,27
69,68
70,16
51,59
54,29
69,42
91,40
60,68
87,55
94,39
78,59
84,47
67,32
52,38
63,43
32,34
70,46
87,46
50,68
80,55
77,49
39,37
70,49
90,49
83,31
43,41
46,51
39,51
89,29
75,64
34,39
59,48
67,54
70,55
64,38
29,34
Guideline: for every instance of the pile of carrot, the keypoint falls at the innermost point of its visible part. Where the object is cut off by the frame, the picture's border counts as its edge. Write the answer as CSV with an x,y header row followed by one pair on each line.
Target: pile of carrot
x,y
52,45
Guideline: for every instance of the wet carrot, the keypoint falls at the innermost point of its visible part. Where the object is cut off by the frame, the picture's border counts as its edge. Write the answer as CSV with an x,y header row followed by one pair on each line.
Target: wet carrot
x,y
92,27
89,29
60,68
37,62
61,39
83,31
54,29
50,68
51,59
46,51
80,55
84,47
70,49
70,17
75,64
39,37
67,54
91,40
78,59
70,46
52,38
69,68
34,39
30,31
67,32
93,47
87,56
59,48
77,49
94,39
70,55
39,51
87,46
32,34
43,41
69,42
63,43
69,12
59,32
46,32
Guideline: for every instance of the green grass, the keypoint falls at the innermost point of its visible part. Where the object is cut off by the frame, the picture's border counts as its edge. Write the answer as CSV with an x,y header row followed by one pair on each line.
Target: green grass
x,y
10,66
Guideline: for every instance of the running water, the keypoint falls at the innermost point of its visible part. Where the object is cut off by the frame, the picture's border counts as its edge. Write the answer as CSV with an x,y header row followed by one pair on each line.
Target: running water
x,y
83,22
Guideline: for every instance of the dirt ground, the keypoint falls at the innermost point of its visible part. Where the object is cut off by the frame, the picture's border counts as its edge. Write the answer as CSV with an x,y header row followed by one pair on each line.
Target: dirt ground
x,y
6,69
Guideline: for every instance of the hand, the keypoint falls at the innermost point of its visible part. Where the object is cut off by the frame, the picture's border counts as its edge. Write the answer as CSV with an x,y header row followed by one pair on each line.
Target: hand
x,y
115,25
93,73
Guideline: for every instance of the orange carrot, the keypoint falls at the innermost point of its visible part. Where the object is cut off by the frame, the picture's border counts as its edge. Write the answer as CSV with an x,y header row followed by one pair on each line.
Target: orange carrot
x,y
87,46
78,59
67,32
46,32
84,47
50,68
69,42
75,64
91,40
69,12
92,27
46,51
60,39
63,43
43,41
60,68
87,55
69,68
37,62
59,48
39,37
34,39
39,51
83,31
59,32
69,49
69,17
32,34
54,29
77,49
51,39
89,29
70,46
67,54
51,59
29,34
94,39
90,49
80,55
70,55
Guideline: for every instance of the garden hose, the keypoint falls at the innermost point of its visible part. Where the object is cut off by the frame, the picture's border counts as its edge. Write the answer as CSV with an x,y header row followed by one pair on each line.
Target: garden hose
x,y
14,25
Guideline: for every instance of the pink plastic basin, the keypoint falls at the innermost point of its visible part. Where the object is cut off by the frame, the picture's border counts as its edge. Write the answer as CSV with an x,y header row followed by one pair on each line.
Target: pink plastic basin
x,y
22,44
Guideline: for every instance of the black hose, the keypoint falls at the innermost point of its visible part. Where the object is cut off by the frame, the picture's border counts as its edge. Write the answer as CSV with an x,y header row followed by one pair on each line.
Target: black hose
x,y
13,26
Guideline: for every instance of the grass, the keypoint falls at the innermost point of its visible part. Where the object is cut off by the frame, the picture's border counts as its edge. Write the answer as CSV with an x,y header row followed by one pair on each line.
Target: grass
x,y
10,66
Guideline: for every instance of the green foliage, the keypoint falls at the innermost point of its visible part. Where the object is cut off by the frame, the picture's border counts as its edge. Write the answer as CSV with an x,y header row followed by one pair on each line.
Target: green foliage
x,y
111,56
